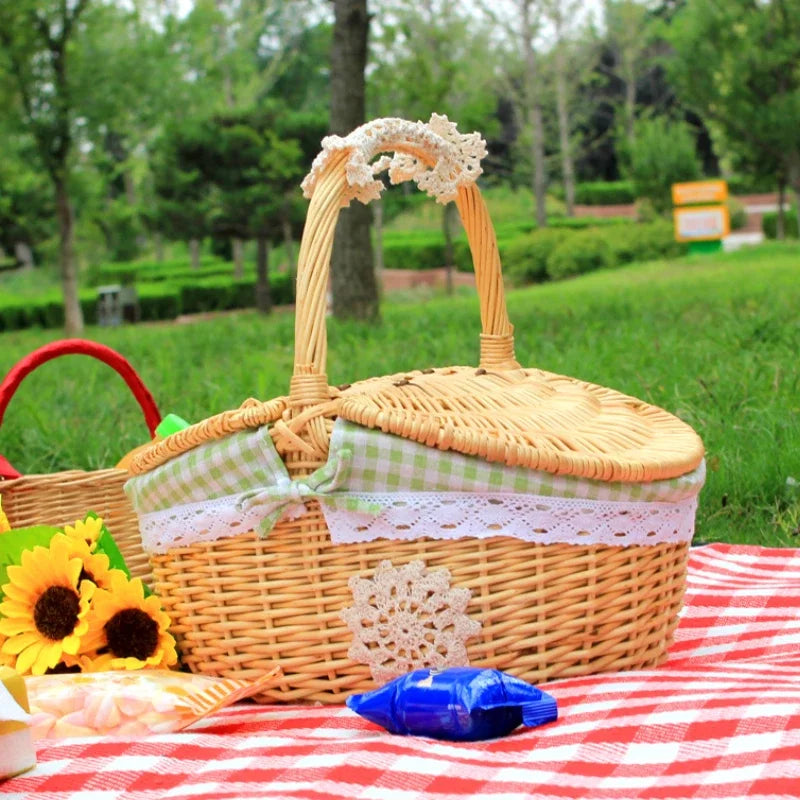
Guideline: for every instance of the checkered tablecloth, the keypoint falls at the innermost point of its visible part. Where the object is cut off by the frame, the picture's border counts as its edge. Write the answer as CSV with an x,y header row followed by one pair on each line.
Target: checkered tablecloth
x,y
720,720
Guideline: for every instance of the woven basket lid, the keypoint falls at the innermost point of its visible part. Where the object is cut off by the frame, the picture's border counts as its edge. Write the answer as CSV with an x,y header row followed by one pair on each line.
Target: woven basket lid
x,y
529,418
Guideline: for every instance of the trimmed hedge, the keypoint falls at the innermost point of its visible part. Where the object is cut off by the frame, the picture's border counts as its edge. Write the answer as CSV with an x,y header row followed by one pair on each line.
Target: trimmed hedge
x,y
605,193
128,273
160,300
525,258
555,253
584,251
419,250
769,223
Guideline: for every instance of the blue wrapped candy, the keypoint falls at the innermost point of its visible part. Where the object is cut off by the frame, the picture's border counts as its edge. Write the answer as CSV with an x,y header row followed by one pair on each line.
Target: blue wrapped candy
x,y
463,704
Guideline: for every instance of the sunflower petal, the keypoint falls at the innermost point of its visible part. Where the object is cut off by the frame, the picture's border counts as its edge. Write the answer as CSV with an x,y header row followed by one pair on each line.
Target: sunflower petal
x,y
27,657
15,626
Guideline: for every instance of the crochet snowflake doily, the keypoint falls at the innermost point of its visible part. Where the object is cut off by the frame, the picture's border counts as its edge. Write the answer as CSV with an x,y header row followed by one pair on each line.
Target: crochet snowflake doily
x,y
456,158
407,618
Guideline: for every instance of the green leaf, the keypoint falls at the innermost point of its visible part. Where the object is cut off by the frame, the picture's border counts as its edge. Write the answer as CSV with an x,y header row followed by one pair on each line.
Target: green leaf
x,y
15,542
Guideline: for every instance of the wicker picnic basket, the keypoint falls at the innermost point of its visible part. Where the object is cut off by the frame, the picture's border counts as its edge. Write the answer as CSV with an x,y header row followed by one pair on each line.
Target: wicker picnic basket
x,y
347,575
59,498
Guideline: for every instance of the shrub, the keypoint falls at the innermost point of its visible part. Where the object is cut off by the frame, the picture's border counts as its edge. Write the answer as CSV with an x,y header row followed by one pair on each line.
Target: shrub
x,y
643,241
769,223
737,214
581,252
159,301
604,193
525,258
748,184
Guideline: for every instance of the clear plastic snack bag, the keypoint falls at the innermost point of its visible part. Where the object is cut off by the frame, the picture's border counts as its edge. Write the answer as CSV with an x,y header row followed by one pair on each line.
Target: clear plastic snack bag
x,y
130,704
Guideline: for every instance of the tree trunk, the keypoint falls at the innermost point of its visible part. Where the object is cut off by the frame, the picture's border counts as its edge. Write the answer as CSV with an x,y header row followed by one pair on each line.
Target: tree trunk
x,y
780,230
355,291
194,251
263,294
288,244
73,315
237,245
567,168
629,77
533,102
449,252
377,218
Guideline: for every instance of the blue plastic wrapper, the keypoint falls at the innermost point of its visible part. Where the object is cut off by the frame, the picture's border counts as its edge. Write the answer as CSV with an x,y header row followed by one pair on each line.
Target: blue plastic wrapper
x,y
463,704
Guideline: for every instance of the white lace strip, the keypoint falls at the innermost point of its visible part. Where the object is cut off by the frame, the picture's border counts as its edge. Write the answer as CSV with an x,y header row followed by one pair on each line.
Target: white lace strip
x,y
437,515
546,520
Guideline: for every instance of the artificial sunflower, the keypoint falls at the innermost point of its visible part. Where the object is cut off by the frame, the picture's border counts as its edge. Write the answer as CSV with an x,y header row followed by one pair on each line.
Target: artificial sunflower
x,y
126,629
96,566
87,530
44,612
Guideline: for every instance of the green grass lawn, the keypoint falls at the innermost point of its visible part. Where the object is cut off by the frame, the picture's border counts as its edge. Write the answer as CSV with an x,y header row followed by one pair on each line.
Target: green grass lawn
x,y
714,339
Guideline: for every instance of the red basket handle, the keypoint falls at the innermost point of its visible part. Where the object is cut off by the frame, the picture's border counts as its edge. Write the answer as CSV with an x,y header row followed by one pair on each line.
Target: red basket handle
x,y
64,347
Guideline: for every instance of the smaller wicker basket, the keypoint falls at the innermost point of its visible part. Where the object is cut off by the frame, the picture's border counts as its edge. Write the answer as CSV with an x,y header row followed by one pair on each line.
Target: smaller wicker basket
x,y
59,498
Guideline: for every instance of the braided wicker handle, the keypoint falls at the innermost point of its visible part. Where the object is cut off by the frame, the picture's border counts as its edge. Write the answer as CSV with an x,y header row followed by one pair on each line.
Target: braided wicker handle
x,y
84,347
445,164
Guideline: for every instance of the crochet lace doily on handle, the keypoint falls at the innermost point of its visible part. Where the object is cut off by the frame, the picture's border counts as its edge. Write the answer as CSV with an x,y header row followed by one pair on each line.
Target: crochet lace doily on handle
x,y
457,158
542,520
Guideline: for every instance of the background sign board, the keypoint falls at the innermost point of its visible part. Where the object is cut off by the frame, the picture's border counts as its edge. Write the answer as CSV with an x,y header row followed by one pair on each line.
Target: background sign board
x,y
701,223
684,194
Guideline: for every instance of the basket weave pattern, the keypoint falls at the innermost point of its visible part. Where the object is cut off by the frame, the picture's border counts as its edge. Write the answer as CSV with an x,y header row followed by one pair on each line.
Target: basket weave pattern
x,y
241,604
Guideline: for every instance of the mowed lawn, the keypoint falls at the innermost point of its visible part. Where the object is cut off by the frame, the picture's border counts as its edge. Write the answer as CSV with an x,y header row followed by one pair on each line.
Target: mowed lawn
x,y
714,339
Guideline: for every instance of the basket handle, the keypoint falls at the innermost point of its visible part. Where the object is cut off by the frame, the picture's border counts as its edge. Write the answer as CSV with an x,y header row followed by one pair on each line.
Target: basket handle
x,y
443,162
84,347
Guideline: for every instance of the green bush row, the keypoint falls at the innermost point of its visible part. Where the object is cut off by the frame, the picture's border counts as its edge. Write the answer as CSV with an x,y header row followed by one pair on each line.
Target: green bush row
x,y
604,193
769,223
553,254
423,249
178,269
157,301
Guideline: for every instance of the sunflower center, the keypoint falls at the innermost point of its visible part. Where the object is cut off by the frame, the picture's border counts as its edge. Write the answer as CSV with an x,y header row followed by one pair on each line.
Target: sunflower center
x,y
132,633
56,612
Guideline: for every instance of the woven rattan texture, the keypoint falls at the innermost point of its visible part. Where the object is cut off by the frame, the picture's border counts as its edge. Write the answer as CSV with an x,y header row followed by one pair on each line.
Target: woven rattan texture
x,y
546,611
529,418
60,498
240,604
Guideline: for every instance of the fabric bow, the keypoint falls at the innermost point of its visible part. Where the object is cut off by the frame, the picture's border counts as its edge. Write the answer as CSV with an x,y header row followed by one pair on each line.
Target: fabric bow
x,y
287,497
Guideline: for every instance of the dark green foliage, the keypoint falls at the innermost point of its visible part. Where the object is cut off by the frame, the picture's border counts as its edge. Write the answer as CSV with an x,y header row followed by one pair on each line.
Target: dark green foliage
x,y
525,257
769,223
162,300
584,251
604,193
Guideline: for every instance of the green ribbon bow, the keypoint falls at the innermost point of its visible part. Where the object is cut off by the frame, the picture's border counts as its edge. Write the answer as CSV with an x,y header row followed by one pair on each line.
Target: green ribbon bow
x,y
287,497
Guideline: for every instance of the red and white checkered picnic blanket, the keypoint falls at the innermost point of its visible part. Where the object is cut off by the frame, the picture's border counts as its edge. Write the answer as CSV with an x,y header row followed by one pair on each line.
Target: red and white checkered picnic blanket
x,y
720,720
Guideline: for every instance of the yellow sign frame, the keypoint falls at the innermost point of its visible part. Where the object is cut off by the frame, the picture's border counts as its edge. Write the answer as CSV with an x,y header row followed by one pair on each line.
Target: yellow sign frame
x,y
690,210
695,192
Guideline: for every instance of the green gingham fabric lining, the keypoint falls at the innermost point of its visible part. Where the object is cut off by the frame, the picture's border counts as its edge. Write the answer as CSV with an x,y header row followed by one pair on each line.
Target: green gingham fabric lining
x,y
385,463
241,462
243,474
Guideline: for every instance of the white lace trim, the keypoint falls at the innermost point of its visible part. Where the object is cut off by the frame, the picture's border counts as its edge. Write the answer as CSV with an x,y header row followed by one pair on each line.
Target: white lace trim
x,y
438,515
546,520
457,158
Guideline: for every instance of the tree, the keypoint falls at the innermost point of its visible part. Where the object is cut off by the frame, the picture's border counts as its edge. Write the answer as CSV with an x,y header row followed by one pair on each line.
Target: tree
x,y
626,23
182,191
736,64
562,14
355,291
663,153
446,52
37,39
26,202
